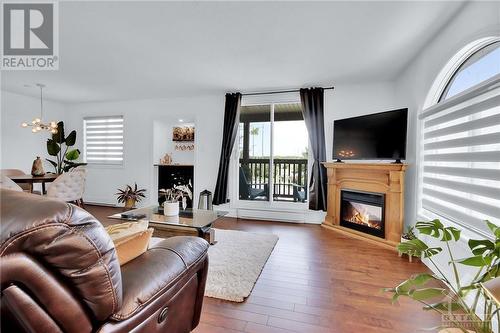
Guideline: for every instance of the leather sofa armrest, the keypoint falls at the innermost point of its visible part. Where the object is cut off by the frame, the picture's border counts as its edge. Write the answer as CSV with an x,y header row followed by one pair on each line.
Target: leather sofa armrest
x,y
147,277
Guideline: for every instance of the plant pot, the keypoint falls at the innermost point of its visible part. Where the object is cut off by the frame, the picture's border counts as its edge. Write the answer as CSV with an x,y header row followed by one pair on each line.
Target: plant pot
x,y
171,208
130,203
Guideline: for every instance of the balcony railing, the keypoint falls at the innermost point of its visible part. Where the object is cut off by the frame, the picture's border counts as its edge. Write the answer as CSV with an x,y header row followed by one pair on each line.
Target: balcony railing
x,y
290,178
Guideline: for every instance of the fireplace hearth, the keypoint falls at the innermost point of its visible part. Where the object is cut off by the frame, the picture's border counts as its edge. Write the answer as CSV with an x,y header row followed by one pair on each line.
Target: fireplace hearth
x,y
363,211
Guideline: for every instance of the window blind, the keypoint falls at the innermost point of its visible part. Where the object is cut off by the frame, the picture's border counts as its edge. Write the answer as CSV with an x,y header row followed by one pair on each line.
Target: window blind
x,y
103,140
461,157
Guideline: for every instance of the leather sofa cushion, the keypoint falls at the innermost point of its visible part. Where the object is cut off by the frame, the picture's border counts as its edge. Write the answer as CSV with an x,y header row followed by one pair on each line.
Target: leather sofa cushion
x,y
150,274
130,247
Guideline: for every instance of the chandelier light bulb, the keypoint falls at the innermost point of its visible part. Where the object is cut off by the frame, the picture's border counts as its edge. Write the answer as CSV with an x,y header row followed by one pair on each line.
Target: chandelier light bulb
x,y
24,125
34,130
38,128
37,120
53,124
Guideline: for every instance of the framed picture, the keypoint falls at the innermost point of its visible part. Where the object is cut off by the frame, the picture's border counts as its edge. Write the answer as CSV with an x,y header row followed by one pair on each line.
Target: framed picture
x,y
183,133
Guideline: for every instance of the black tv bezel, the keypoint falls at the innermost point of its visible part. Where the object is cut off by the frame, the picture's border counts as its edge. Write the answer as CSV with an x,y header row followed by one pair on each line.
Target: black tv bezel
x,y
371,158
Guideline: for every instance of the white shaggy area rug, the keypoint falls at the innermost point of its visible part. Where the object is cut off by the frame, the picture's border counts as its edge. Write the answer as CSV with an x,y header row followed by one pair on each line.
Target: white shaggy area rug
x,y
235,263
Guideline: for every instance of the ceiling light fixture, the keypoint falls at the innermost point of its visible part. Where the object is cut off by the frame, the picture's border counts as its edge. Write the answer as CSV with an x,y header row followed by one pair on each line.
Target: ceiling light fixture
x,y
36,124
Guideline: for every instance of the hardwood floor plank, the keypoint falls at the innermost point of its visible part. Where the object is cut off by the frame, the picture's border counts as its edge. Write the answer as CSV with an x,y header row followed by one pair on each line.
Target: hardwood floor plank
x,y
296,326
222,321
208,328
235,314
257,328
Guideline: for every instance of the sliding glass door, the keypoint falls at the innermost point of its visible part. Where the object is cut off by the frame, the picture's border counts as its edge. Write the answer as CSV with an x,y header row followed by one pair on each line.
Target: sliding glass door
x,y
273,154
255,152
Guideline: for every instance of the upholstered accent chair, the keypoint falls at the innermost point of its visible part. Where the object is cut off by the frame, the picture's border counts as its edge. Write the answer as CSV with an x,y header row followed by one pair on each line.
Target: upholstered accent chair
x,y
17,172
60,273
69,186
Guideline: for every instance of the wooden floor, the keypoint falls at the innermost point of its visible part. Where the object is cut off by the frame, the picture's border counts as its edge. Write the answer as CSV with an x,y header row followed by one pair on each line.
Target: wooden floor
x,y
316,280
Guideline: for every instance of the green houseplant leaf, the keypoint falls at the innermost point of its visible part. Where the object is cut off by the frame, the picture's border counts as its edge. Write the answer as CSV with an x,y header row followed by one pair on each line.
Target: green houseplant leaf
x,y
479,247
59,136
54,164
477,261
68,165
52,147
494,229
427,293
416,247
444,306
436,229
73,154
71,139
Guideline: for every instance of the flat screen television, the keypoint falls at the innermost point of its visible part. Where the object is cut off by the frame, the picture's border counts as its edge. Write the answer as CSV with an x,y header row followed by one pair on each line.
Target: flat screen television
x,y
378,136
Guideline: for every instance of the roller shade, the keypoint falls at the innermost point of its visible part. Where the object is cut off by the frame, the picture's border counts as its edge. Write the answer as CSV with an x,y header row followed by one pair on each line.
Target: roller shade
x,y
460,152
103,140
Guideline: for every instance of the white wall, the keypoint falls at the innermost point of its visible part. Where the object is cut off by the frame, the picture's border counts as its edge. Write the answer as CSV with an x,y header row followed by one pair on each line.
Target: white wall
x,y
140,149
19,146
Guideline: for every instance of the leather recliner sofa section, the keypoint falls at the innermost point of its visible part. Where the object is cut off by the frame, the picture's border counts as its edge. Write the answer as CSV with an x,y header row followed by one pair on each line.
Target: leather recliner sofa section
x,y
59,272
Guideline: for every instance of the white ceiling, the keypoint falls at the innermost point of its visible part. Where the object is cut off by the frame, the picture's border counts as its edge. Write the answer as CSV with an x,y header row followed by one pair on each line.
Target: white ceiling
x,y
133,50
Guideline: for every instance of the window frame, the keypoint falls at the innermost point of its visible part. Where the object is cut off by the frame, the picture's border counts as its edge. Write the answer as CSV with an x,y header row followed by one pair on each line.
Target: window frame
x,y
103,164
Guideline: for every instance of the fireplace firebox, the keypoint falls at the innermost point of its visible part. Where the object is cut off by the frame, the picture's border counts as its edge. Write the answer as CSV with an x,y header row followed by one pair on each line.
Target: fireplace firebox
x,y
363,211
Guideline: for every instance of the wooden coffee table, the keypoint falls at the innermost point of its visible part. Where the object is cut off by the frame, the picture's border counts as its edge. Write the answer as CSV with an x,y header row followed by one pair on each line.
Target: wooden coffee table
x,y
189,222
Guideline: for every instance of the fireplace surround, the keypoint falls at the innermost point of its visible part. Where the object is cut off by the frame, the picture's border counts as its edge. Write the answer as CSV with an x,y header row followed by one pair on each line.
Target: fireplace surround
x,y
385,179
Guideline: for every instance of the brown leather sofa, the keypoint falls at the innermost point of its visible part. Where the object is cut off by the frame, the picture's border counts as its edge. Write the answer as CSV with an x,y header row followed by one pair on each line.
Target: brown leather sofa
x,y
59,273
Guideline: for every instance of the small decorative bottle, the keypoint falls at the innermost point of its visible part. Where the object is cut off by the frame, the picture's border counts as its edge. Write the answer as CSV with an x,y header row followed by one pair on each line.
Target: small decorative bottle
x,y
37,168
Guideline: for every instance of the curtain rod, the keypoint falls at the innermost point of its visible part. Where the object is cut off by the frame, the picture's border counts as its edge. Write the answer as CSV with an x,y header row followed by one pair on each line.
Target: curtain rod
x,y
279,92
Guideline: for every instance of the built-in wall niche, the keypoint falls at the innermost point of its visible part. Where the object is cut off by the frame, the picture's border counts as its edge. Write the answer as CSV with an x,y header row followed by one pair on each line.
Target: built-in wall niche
x,y
175,138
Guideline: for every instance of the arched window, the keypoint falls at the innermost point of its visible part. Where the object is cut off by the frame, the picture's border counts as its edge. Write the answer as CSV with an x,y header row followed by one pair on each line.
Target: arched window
x,y
479,67
460,145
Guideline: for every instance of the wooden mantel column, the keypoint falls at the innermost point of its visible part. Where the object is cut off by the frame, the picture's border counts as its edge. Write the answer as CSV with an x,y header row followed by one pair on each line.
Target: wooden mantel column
x,y
383,178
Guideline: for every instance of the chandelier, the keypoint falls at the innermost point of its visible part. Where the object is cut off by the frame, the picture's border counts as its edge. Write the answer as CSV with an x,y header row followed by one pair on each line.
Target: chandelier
x,y
36,124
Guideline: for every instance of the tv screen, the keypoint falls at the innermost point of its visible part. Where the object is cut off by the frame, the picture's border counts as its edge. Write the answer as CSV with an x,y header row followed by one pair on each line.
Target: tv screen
x,y
379,136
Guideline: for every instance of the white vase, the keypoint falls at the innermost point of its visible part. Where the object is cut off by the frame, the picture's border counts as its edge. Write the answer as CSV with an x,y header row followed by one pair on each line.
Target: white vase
x,y
171,208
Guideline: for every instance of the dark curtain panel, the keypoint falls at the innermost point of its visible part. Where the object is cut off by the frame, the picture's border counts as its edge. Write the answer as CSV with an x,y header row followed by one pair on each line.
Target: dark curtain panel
x,y
312,109
231,119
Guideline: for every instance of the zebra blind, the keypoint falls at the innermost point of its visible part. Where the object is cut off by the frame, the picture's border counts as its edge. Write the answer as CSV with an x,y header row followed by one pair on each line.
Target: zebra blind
x,y
103,140
461,157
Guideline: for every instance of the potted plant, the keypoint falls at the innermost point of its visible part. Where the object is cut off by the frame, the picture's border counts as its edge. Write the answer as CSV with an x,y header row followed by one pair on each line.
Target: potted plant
x,y
130,196
458,300
59,146
173,196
